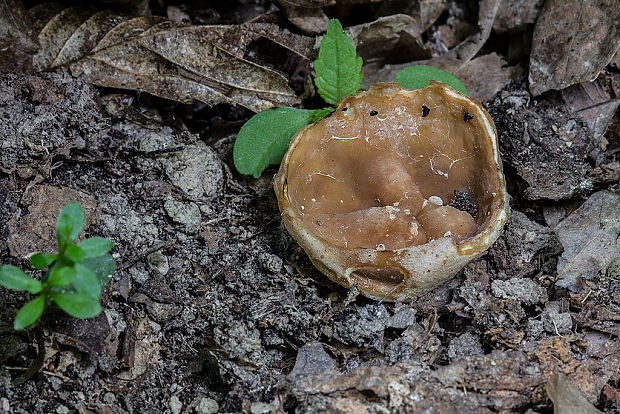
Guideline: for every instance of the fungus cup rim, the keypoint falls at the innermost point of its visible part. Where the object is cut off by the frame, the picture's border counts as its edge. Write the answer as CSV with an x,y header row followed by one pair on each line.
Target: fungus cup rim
x,y
425,266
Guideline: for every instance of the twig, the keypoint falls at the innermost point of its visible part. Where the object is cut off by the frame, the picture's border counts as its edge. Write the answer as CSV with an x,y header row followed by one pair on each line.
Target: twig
x,y
45,371
133,259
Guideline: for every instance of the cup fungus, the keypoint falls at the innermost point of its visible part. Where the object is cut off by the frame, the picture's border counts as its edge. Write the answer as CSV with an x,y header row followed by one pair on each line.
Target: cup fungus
x,y
397,190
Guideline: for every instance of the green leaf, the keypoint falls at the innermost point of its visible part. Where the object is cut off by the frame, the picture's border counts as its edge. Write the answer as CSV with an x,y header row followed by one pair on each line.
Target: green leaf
x,y
86,281
15,278
264,139
69,223
29,313
96,246
322,113
78,305
103,266
414,77
338,68
42,260
62,276
74,253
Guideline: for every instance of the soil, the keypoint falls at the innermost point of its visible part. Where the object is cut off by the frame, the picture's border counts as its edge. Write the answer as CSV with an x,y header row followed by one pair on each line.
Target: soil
x,y
214,308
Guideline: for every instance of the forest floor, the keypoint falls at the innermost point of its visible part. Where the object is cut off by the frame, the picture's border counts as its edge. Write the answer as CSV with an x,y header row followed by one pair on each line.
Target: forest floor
x,y
214,308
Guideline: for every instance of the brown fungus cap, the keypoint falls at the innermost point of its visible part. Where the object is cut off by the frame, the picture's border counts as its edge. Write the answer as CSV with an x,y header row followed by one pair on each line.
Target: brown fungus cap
x,y
397,190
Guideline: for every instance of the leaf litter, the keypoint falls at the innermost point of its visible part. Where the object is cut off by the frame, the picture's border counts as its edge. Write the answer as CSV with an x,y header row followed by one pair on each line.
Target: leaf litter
x,y
591,240
231,304
188,64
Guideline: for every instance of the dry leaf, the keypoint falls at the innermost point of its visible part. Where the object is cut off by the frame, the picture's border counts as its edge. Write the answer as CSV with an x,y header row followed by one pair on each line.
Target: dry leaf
x,y
593,104
306,15
388,40
573,41
17,44
136,7
486,75
79,41
457,56
515,15
566,397
590,237
210,64
425,12
55,34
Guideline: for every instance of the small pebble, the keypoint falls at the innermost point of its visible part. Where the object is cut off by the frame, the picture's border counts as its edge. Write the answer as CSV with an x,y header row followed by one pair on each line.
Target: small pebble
x,y
175,404
207,406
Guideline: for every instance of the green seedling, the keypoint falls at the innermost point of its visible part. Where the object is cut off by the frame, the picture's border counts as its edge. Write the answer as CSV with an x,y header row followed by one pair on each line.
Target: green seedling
x,y
75,277
264,138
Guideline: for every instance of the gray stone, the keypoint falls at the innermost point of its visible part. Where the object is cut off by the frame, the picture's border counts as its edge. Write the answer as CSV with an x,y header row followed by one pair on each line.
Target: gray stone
x,y
159,261
262,408
129,229
5,406
311,359
525,291
185,213
175,404
207,406
271,262
195,170
61,409
403,317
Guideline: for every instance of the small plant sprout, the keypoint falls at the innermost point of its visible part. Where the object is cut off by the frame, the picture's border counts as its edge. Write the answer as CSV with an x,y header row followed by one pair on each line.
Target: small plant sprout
x,y
75,277
264,138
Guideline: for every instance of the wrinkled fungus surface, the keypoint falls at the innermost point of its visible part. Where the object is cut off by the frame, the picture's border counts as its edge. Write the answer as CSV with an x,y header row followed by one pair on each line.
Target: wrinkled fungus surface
x,y
392,169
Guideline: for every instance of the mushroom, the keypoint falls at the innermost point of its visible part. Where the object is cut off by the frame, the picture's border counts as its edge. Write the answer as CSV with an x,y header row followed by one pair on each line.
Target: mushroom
x,y
395,191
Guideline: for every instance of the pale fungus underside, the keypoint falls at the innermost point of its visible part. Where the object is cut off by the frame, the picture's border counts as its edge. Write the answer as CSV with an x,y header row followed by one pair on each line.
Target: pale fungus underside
x,y
396,190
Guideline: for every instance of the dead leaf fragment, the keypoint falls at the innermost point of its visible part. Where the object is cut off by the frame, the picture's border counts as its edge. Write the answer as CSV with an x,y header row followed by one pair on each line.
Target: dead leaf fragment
x,y
425,12
486,75
591,102
566,397
573,41
35,232
209,64
514,15
454,59
590,237
391,39
17,43
306,15
141,348
55,34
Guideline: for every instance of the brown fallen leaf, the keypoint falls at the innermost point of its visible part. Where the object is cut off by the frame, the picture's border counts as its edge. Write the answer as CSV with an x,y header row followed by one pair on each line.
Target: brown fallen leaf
x,y
136,7
590,239
35,231
456,57
486,75
186,64
573,41
566,397
209,64
593,104
56,32
515,15
391,39
425,12
17,43
306,15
